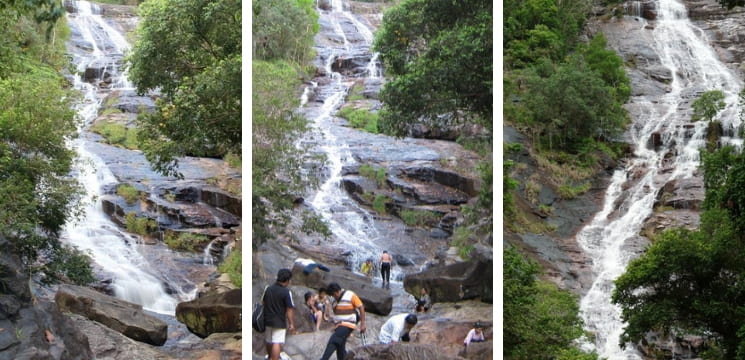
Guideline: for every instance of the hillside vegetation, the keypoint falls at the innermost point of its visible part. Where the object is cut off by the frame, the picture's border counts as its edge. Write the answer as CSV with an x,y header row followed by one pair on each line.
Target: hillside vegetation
x,y
565,95
36,124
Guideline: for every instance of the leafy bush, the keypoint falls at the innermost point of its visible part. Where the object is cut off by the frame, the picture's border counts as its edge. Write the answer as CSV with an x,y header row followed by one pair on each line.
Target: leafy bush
x,y
361,119
185,241
232,266
419,218
540,320
128,192
379,174
567,191
72,265
233,160
139,225
379,202
116,134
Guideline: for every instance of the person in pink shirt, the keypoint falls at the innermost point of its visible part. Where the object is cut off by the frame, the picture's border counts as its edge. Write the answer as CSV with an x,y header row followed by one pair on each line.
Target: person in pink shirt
x,y
475,335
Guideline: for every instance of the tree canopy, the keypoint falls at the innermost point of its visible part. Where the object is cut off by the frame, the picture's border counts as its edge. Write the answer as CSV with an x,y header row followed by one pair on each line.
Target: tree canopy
x,y
540,321
283,33
191,52
708,105
691,281
36,124
438,57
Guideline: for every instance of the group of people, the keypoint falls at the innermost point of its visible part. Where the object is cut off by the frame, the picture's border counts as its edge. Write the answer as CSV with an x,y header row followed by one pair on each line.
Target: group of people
x,y
347,314
386,261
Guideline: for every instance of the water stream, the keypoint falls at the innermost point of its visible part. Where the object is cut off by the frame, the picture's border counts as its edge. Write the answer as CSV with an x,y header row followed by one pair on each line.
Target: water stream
x,y
115,253
347,220
609,239
358,232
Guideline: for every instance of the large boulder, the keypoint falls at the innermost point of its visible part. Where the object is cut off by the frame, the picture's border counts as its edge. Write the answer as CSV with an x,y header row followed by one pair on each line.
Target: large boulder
x,y
108,344
213,313
399,351
122,316
375,301
28,330
459,281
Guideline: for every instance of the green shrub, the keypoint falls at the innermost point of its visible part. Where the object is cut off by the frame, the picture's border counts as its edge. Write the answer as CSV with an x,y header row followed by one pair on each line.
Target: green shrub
x,y
370,172
419,218
233,160
355,93
379,202
184,241
568,192
361,119
116,134
314,223
139,225
128,192
232,266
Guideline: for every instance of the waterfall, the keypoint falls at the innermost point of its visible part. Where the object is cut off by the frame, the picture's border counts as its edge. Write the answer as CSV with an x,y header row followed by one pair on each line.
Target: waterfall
x,y
350,223
113,251
684,50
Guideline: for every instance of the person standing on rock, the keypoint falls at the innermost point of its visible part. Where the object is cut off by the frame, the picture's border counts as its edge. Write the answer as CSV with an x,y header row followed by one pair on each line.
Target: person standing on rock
x,y
346,311
397,328
279,310
385,267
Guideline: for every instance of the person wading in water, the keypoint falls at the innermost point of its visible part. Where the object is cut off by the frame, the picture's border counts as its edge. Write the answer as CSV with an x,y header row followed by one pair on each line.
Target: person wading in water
x,y
385,268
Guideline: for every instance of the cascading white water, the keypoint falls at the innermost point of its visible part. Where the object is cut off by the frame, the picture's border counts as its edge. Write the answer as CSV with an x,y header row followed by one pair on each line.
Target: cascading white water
x,y
347,220
112,250
685,51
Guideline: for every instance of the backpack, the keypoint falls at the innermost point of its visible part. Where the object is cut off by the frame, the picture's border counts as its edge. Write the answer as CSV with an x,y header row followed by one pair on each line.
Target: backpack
x,y
257,317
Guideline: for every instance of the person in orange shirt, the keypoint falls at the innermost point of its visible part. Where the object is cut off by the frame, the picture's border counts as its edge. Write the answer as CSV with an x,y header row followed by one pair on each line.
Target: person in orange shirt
x,y
348,311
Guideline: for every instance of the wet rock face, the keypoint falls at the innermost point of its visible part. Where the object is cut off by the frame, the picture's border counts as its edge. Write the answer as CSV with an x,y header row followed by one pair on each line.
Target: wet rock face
x,y
122,316
33,331
460,281
399,351
108,344
214,313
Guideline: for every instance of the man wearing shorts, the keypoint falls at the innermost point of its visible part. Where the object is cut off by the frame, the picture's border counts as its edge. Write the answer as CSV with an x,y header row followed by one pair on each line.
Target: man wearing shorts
x,y
278,307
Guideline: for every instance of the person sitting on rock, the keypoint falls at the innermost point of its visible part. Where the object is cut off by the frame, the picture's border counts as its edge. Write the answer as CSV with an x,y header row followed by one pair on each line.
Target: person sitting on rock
x,y
475,335
423,303
366,268
397,328
324,303
316,314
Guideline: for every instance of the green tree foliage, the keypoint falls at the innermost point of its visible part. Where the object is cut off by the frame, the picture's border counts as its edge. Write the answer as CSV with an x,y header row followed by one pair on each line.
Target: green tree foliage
x,y
708,105
540,321
438,55
571,104
692,281
36,122
277,161
535,29
284,29
283,33
191,51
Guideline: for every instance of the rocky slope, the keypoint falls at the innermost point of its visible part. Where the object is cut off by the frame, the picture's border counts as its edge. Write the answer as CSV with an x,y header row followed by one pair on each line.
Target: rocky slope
x,y
425,175
677,203
206,202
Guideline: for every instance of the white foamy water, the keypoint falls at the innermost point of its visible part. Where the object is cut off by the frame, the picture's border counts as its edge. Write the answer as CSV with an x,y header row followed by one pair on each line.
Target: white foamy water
x,y
685,51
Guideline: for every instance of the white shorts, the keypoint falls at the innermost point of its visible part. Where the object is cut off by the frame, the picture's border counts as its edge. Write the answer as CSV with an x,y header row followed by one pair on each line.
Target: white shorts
x,y
274,335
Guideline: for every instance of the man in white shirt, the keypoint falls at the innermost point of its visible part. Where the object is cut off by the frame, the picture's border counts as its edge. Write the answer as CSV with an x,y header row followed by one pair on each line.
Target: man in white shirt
x,y
397,328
